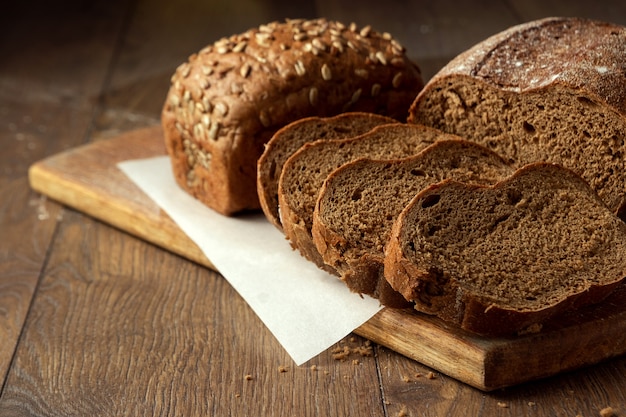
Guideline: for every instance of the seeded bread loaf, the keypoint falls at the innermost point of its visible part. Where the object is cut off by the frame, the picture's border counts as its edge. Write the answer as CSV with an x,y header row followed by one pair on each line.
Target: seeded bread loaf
x,y
290,138
227,101
359,202
305,171
549,90
502,259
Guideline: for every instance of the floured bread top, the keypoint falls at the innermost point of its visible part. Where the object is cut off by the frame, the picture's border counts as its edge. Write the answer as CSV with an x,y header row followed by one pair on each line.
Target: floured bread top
x,y
573,51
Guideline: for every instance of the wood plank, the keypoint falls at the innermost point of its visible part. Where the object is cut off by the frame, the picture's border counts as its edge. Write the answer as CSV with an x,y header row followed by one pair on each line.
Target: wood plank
x,y
40,69
103,190
87,179
121,328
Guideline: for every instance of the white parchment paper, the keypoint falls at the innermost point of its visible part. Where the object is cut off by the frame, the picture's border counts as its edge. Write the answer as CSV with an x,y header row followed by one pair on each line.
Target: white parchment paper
x,y
305,308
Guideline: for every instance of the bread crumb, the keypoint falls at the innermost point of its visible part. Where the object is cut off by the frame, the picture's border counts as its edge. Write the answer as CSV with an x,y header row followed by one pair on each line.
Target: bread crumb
x,y
326,372
532,403
503,405
314,367
431,375
608,412
342,353
406,378
403,412
418,375
248,377
355,362
237,395
283,369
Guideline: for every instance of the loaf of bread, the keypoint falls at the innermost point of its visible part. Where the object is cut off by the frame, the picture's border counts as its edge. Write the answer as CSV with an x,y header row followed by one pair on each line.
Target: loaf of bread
x,y
291,137
502,259
360,201
548,90
305,171
228,99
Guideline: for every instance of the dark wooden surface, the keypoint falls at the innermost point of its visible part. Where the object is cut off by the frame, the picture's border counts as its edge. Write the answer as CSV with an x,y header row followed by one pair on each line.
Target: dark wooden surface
x,y
94,322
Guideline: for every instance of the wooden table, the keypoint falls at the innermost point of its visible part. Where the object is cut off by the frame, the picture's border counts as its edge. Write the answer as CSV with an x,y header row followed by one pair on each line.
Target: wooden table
x,y
95,322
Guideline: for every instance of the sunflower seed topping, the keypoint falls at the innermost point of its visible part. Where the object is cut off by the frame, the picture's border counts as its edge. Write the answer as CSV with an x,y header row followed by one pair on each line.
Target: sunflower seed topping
x,y
245,69
214,131
240,46
300,69
397,80
174,100
313,96
375,90
327,74
264,118
221,108
381,57
355,96
299,37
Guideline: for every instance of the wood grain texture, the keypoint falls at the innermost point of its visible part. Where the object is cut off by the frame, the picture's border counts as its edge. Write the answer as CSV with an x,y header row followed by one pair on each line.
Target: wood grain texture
x,y
104,189
34,80
121,328
87,179
27,223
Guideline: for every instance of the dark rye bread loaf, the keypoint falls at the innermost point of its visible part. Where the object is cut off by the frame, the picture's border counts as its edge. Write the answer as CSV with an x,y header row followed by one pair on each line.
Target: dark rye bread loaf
x,y
305,171
360,201
228,99
502,259
290,138
549,90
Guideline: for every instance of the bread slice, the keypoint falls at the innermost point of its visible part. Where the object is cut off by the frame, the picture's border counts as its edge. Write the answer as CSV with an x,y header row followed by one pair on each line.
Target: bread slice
x,y
549,90
305,171
290,138
360,201
502,259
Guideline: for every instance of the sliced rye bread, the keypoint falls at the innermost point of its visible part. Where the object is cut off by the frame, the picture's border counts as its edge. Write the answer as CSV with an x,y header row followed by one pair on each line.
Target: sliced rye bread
x,y
305,171
500,260
549,90
360,201
291,137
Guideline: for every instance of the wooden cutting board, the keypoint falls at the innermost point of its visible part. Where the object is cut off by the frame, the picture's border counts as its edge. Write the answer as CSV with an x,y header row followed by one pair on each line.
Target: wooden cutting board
x,y
87,179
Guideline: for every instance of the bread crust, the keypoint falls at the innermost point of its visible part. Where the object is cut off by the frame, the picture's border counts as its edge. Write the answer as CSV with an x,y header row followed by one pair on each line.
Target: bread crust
x,y
572,57
531,56
228,99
